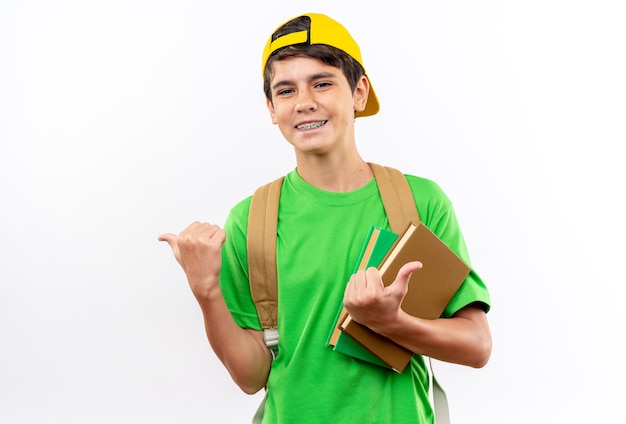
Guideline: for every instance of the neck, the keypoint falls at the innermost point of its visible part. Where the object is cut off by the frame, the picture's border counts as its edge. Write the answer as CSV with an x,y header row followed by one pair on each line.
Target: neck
x,y
336,174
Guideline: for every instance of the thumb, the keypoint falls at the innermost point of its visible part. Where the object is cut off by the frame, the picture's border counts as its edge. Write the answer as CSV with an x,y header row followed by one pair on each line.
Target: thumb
x,y
172,240
169,238
404,274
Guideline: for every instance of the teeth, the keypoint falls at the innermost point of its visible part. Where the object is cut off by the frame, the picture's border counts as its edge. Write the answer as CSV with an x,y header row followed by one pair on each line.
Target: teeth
x,y
311,125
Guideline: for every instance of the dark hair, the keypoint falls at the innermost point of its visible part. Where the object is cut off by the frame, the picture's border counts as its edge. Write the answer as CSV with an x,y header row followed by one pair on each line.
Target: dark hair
x,y
327,54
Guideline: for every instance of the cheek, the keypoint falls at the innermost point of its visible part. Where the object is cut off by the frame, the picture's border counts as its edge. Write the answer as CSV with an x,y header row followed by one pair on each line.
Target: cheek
x,y
280,117
280,112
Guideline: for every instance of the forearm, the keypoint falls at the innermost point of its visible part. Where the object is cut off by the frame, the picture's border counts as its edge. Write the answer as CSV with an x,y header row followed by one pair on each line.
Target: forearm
x,y
198,250
463,339
242,351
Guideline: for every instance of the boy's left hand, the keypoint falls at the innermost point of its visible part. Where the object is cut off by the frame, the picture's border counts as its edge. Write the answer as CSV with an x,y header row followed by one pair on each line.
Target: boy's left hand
x,y
372,304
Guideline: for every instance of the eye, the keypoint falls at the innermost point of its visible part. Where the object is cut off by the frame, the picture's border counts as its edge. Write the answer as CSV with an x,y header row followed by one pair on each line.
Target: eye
x,y
284,92
323,84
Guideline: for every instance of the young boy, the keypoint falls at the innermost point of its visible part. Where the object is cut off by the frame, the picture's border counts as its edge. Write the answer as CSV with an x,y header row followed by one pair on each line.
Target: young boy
x,y
315,86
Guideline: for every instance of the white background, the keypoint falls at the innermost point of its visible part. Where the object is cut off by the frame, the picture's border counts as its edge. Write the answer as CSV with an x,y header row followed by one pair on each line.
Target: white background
x,y
120,120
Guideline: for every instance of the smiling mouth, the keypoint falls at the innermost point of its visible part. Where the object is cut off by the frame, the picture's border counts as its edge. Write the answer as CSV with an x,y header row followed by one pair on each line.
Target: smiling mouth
x,y
311,125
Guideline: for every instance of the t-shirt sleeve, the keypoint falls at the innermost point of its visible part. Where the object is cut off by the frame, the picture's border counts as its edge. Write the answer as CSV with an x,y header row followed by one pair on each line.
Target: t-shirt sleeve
x,y
437,213
234,281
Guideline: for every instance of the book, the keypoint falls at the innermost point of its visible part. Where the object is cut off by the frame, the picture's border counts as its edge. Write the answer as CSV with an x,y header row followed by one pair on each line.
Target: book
x,y
430,289
375,248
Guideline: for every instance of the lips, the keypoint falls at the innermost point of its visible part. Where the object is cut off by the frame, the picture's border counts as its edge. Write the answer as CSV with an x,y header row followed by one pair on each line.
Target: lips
x,y
311,125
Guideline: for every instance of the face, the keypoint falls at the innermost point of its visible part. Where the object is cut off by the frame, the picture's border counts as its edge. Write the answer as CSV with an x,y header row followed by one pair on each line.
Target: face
x,y
313,105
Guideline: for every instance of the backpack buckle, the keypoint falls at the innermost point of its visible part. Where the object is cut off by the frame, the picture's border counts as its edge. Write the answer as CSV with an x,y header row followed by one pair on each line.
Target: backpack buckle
x,y
270,336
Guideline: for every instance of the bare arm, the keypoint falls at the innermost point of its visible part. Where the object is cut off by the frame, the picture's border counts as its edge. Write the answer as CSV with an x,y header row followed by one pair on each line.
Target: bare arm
x,y
242,351
464,338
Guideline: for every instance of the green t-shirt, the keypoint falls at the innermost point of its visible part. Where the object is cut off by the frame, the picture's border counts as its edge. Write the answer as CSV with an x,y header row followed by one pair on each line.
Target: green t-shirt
x,y
320,235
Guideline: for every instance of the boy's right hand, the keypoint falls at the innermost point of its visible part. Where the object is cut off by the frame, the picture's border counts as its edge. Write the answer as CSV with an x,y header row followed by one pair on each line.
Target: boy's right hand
x,y
198,250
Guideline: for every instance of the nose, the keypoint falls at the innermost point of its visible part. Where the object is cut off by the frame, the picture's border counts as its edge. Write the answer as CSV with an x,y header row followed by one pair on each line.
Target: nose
x,y
305,102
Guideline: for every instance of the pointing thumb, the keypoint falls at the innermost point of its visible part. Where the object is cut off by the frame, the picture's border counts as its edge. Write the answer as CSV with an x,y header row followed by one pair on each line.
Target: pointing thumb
x,y
169,238
404,274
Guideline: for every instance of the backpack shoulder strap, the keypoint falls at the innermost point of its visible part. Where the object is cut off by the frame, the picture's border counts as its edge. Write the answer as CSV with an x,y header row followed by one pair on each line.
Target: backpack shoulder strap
x,y
261,248
397,197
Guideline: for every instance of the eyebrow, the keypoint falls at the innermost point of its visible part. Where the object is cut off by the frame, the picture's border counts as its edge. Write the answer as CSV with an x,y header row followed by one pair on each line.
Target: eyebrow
x,y
320,75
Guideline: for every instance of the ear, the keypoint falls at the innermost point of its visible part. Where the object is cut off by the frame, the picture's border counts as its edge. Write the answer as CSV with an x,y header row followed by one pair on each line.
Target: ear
x,y
270,107
360,93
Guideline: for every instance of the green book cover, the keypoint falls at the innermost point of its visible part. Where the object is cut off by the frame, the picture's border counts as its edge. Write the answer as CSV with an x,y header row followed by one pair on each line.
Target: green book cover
x,y
366,249
375,248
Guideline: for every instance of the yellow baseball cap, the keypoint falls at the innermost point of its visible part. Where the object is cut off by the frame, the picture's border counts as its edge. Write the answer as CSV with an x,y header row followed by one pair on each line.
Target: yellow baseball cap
x,y
323,30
